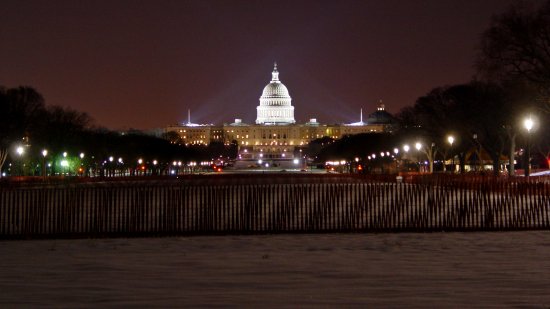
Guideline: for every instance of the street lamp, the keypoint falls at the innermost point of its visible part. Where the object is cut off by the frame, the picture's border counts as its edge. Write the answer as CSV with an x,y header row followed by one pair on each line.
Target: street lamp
x,y
110,166
528,123
396,152
405,157
82,169
451,140
20,151
140,167
44,154
418,146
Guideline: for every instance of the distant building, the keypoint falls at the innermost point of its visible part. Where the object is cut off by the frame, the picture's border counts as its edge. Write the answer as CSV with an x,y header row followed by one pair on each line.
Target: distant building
x,y
275,138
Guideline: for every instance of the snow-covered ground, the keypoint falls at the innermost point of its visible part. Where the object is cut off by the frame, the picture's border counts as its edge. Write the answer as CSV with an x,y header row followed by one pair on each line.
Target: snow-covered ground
x,y
434,270
541,173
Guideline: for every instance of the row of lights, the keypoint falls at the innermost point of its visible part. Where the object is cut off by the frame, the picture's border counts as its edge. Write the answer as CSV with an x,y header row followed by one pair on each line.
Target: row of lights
x,y
20,150
528,125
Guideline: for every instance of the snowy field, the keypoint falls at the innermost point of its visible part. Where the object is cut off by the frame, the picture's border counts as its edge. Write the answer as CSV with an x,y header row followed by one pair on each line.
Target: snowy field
x,y
434,270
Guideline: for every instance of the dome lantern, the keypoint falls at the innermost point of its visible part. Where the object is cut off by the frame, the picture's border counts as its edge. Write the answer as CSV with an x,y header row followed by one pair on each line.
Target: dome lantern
x,y
275,73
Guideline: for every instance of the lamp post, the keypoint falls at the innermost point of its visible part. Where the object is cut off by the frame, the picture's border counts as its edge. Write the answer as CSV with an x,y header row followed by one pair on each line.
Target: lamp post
x,y
395,155
451,140
111,166
64,163
431,157
418,146
44,154
478,155
140,162
82,169
405,157
528,124
120,163
20,151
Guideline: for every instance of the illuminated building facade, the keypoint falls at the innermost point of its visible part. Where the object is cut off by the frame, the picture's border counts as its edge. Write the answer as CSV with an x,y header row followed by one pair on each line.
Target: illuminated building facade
x,y
275,138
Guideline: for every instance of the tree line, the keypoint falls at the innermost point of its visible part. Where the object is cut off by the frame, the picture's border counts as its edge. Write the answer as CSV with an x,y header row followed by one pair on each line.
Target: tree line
x,y
30,126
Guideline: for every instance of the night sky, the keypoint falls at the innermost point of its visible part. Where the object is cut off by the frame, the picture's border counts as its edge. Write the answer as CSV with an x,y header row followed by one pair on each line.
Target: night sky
x,y
142,64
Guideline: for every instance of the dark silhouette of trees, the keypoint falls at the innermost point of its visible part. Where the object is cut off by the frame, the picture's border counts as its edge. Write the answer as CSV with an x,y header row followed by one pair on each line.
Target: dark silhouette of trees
x,y
21,109
432,118
61,129
218,149
541,136
173,137
516,47
486,114
479,115
484,111
515,52
25,119
359,145
315,147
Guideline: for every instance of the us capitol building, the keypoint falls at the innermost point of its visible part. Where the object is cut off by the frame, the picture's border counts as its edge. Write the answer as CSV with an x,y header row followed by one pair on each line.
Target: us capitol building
x,y
275,138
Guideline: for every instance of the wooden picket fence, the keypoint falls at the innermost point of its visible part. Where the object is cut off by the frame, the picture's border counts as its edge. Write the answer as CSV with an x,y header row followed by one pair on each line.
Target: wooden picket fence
x,y
155,208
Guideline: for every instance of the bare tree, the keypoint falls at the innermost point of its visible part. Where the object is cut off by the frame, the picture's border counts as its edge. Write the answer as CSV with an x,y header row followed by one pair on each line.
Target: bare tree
x,y
19,110
474,113
517,47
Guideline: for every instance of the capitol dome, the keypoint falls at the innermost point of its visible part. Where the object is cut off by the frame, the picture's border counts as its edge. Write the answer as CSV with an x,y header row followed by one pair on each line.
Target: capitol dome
x,y
275,90
380,116
275,103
